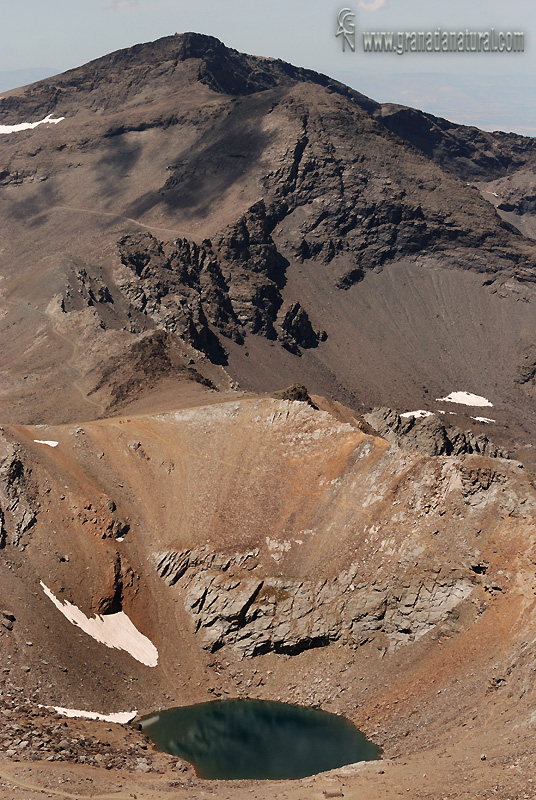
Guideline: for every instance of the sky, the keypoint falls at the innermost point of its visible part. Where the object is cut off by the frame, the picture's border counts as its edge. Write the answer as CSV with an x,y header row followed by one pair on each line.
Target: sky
x,y
494,91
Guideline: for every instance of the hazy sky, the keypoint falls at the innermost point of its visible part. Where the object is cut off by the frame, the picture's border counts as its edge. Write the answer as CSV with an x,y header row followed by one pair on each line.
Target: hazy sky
x,y
491,90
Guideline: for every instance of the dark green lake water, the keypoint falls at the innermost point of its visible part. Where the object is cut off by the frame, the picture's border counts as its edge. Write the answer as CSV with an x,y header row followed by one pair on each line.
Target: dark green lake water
x,y
237,739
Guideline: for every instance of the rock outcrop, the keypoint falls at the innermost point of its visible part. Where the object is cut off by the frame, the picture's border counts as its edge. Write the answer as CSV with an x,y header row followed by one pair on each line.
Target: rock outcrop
x,y
430,435
225,288
180,287
296,393
297,329
171,566
18,510
254,269
232,604
149,359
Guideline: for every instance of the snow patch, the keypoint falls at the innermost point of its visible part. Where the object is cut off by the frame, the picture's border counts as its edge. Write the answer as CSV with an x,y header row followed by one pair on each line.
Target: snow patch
x,y
45,441
420,414
122,717
24,126
113,630
483,419
465,398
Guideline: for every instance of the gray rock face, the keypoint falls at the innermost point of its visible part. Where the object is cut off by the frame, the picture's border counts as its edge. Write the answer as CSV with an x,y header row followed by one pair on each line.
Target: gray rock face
x,y
172,566
180,287
223,288
17,512
256,614
430,435
297,329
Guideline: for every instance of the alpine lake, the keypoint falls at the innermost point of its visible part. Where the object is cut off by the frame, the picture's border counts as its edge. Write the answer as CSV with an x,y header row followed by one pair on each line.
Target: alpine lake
x,y
257,739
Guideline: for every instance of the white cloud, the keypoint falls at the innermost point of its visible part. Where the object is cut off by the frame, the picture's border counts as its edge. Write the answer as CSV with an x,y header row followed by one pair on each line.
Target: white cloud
x,y
123,5
372,5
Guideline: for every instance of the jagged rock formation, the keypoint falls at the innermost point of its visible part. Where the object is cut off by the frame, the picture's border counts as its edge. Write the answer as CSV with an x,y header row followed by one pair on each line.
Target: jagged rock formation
x,y
231,286
166,286
254,268
171,566
430,435
18,503
297,329
88,291
256,615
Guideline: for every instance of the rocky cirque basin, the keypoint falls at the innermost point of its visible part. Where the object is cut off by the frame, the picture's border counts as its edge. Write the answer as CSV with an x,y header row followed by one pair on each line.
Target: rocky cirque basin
x,y
390,586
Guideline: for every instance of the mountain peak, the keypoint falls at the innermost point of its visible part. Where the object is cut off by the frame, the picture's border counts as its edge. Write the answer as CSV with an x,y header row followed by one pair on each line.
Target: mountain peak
x,y
168,63
233,194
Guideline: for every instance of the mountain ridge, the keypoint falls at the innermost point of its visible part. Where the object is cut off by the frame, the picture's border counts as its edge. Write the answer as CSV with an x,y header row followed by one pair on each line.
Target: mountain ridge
x,y
268,202
221,68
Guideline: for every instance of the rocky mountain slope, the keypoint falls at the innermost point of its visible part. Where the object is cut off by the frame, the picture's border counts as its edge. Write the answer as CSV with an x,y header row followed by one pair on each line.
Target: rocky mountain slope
x,y
464,150
270,224
500,164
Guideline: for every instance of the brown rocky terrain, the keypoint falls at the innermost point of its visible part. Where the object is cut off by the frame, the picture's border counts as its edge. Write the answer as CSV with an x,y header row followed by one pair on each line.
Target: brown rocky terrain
x,y
202,229
500,164
430,435
274,224
267,549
